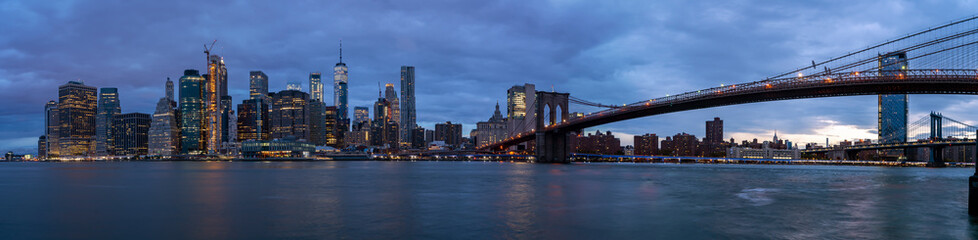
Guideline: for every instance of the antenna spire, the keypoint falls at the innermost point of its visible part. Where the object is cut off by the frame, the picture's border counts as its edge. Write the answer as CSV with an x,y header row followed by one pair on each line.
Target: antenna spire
x,y
341,50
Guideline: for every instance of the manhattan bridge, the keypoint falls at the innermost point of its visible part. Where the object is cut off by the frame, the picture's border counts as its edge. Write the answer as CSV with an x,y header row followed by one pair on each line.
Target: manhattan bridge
x,y
938,60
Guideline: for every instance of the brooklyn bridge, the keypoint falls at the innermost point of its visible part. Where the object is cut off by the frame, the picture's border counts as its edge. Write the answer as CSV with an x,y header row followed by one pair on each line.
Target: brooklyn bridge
x,y
937,60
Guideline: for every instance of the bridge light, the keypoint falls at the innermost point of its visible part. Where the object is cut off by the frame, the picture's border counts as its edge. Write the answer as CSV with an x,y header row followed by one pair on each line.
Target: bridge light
x,y
800,75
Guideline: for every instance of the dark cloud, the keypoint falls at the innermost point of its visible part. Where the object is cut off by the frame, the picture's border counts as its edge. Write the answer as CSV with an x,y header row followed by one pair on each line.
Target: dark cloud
x,y
467,53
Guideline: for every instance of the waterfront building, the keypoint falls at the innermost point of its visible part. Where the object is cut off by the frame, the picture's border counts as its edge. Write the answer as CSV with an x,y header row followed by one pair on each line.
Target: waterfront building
x,y
192,113
108,107
164,131
258,85
599,143
315,87
763,153
340,91
490,131
253,122
417,138
288,147
450,133
429,136
51,133
646,145
215,89
77,104
131,134
682,144
408,114
42,144
290,114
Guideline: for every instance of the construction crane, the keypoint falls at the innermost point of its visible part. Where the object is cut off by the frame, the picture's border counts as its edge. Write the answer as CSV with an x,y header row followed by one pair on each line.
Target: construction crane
x,y
207,50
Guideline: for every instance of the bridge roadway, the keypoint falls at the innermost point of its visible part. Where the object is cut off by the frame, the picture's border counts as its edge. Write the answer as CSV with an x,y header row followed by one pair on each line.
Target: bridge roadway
x,y
914,81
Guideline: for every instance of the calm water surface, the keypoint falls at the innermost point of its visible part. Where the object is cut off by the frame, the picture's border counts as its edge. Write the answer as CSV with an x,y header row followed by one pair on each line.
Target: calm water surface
x,y
476,200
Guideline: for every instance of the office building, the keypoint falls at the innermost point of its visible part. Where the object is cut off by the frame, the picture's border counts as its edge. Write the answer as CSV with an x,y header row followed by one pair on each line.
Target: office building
x,y
192,113
77,104
131,134
316,87
317,122
253,121
361,117
340,91
383,129
164,131
490,131
108,107
258,85
51,124
407,113
332,136
521,108
290,115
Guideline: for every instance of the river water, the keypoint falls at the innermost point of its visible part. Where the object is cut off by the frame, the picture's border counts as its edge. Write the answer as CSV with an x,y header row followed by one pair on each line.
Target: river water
x,y
477,200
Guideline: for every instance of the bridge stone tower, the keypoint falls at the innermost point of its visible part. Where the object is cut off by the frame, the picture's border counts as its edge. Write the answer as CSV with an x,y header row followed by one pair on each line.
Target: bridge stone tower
x,y
552,146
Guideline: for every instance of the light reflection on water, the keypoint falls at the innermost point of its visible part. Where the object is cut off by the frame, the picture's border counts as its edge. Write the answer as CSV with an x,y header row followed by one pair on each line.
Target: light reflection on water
x,y
242,200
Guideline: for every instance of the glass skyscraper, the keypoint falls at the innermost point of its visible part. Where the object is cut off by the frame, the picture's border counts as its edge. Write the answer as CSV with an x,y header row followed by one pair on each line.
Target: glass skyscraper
x,y
191,114
408,115
258,85
892,117
340,91
108,107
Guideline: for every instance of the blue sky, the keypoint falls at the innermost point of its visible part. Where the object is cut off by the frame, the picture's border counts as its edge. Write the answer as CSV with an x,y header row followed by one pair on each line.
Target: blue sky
x,y
467,53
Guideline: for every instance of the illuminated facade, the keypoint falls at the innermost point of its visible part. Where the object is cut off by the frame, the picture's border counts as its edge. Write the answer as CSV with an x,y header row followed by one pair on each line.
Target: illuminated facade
x,y
765,153
361,117
340,91
130,134
315,87
383,129
714,131
77,104
191,113
290,114
395,107
108,107
332,137
51,124
215,87
892,114
253,122
408,115
646,145
521,108
277,148
164,131
258,85
449,132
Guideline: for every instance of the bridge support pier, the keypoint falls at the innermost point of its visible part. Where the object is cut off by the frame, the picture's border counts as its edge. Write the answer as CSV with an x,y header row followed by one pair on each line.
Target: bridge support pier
x,y
936,157
552,147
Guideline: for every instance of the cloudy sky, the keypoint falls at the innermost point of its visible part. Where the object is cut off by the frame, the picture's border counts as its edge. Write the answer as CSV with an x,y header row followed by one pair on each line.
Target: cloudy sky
x,y
467,53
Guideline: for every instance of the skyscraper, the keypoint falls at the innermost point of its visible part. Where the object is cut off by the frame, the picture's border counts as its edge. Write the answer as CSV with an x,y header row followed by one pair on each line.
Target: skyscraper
x,y
164,131
77,105
383,129
892,116
315,87
408,117
714,131
340,91
520,107
258,85
330,119
214,89
191,113
253,122
108,107
131,134
317,122
361,115
290,114
52,150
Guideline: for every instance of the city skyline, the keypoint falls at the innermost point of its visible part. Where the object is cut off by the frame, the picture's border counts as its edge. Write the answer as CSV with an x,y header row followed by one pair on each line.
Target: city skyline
x,y
588,67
